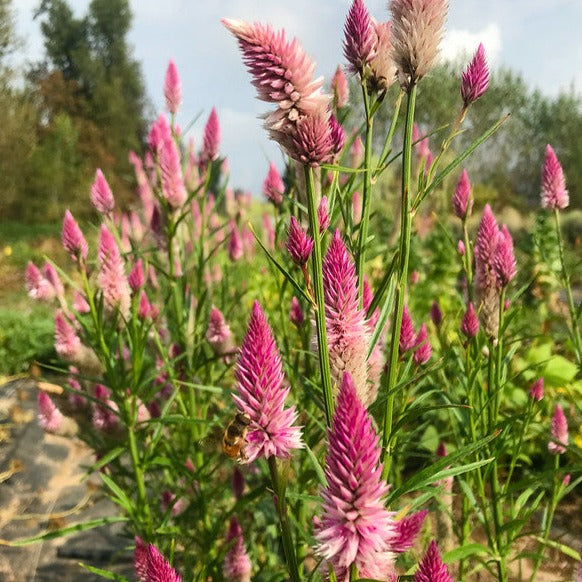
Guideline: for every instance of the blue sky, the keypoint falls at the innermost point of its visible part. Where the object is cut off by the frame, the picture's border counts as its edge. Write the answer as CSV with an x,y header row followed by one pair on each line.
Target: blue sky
x,y
539,38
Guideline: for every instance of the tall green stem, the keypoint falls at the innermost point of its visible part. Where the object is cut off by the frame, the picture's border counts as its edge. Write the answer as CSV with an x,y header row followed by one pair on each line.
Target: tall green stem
x,y
317,279
404,255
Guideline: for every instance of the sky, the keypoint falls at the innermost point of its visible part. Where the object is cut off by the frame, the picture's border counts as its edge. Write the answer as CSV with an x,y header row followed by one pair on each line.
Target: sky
x,y
538,38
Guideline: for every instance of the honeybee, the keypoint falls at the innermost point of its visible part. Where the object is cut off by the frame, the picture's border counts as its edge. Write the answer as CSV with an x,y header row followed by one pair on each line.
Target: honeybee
x,y
234,438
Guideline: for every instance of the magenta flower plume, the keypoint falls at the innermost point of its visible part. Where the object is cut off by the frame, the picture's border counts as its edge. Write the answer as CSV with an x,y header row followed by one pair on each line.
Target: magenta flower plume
x,y
355,528
73,239
407,333
559,432
360,38
37,285
296,315
111,278
461,248
432,569
261,395
462,202
475,78
67,342
470,322
383,67
323,215
159,133
436,315
105,416
273,186
211,138
50,418
554,193
407,530
235,244
173,186
101,195
338,136
348,335
417,28
136,277
172,88
157,569
504,259
536,390
299,244
423,350
237,564
316,140
340,88
218,333
140,559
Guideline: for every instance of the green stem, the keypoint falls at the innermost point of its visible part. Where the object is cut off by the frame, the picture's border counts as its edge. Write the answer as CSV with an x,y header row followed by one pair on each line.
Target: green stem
x,y
385,151
467,261
404,255
317,281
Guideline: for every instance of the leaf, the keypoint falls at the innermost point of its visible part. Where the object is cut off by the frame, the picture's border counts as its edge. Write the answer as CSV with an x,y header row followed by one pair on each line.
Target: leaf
x,y
120,497
566,550
464,552
316,465
104,573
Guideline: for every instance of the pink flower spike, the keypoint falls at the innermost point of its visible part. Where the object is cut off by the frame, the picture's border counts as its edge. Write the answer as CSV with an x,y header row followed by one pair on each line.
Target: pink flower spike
x,y
436,315
101,195
299,244
136,278
273,187
462,202
355,528
383,68
67,342
36,284
338,136
504,259
407,529
172,88
50,418
536,390
237,564
470,322
554,193
235,245
432,569
80,304
218,333
423,352
296,315
144,309
461,248
140,559
173,186
407,334
50,274
340,89
158,568
360,38
159,133
261,395
559,432
73,239
211,139
313,142
475,78
323,215
487,237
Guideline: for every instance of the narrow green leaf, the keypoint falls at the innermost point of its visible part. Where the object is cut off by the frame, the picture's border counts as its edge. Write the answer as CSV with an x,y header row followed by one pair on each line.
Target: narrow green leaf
x,y
104,573
121,497
316,465
464,552
566,550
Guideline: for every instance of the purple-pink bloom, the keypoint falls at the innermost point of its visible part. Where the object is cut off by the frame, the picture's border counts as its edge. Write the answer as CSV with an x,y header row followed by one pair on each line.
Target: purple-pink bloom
x,y
211,138
423,349
172,88
101,195
470,322
235,245
504,259
80,304
360,38
37,285
462,201
407,529
296,315
461,248
299,244
159,133
554,192
559,432
485,249
382,65
338,136
314,142
432,569
273,186
261,395
436,315
173,187
50,274
407,334
237,564
536,390
355,527
323,215
340,88
475,78
136,277
67,342
218,333
357,152
73,239
157,568
105,417
50,418
348,335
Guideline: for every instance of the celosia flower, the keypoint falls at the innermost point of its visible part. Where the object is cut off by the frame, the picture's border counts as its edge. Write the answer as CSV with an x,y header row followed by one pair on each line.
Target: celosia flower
x,y
169,501
338,136
475,78
140,559
382,65
273,187
235,246
314,142
407,529
432,569
554,193
360,38
151,566
407,334
173,187
145,309
340,88
237,564
323,215
536,390
299,244
423,352
462,201
237,484
37,285
357,152
269,231
261,395
211,138
436,315
159,133
50,274
417,28
356,207
461,248
73,239
347,332
136,277
67,342
376,359
296,315
50,418
80,304
172,88
111,278
504,259
559,432
218,333
355,528
470,322
101,195
105,416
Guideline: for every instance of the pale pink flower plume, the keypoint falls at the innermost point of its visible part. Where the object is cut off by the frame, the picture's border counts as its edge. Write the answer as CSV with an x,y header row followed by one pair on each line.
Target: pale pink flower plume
x,y
273,186
299,244
80,304
73,239
470,322
431,568
296,315
269,231
211,138
355,528
504,260
407,530
357,152
172,88
237,564
323,215
261,395
475,78
554,192
67,342
462,201
461,248
407,334
417,29
136,277
423,349
101,195
348,335
383,67
340,88
356,207
37,285
248,242
218,333
146,310
105,417
235,245
536,390
50,274
317,139
50,417
559,432
173,186
160,132
360,39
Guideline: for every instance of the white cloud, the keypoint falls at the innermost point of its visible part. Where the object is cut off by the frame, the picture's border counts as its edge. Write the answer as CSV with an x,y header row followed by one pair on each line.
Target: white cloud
x,y
461,43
